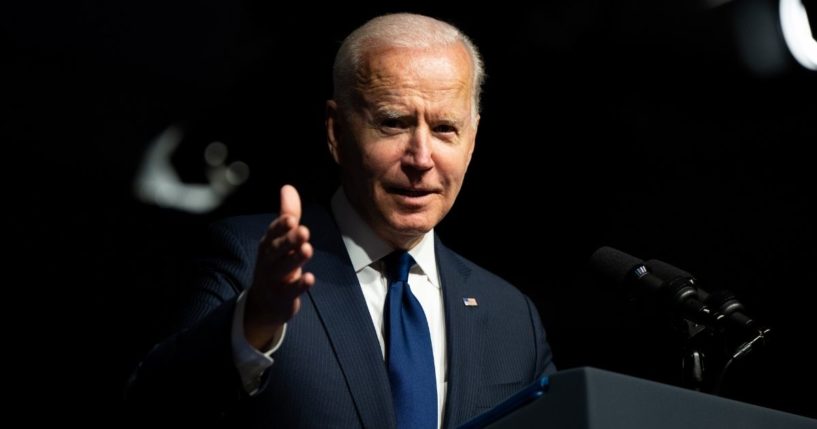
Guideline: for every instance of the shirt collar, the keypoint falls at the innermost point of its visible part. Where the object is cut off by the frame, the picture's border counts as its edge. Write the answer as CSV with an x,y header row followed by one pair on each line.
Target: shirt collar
x,y
365,247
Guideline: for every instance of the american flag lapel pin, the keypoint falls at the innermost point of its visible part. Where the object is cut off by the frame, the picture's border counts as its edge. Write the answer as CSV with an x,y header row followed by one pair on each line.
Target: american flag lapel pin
x,y
470,302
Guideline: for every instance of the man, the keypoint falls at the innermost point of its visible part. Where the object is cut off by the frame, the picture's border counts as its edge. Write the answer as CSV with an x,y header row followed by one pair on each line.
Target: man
x,y
312,327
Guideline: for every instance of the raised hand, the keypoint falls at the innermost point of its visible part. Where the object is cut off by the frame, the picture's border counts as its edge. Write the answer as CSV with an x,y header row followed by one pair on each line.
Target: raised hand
x,y
279,280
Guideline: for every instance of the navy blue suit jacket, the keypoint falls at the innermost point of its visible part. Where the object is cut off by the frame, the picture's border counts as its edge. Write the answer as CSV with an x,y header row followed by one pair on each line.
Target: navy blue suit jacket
x,y
329,371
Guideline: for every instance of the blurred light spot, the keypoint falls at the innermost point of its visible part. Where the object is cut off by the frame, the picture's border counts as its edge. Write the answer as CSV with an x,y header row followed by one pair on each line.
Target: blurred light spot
x,y
215,154
237,173
158,183
797,33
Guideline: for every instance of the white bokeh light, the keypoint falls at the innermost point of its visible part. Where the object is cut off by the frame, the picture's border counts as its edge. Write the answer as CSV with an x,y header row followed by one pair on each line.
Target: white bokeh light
x,y
797,33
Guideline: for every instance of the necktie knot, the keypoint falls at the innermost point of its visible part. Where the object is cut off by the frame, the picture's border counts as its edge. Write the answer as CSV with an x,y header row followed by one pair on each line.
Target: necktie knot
x,y
398,264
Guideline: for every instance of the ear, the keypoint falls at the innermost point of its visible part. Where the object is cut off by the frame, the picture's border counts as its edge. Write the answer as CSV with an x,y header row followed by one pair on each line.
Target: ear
x,y
333,129
473,142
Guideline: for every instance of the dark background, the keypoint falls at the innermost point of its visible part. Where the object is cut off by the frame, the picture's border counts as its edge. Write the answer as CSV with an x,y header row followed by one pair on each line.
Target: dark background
x,y
680,131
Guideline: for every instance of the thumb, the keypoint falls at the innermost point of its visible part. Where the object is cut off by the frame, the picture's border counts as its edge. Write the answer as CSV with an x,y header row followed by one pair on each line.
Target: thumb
x,y
290,202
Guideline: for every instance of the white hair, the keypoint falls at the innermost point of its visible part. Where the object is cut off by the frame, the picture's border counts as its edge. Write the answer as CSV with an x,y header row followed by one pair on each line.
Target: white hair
x,y
403,30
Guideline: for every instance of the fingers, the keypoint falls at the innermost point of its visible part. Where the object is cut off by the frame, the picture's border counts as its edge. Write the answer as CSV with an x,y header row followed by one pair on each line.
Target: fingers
x,y
290,202
305,282
284,244
277,228
279,278
285,247
280,259
288,268
288,218
299,285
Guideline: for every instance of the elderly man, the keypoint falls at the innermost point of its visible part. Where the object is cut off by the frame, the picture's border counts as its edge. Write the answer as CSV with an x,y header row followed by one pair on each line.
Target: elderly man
x,y
359,316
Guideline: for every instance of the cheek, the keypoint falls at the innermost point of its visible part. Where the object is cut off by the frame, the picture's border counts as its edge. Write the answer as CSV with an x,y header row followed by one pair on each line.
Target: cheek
x,y
380,161
453,168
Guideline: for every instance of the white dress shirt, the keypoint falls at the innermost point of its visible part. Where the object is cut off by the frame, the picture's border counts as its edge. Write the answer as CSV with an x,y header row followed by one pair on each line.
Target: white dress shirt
x,y
365,250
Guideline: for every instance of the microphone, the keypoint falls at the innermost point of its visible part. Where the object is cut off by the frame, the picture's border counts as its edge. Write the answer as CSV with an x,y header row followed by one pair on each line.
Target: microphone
x,y
712,313
730,314
729,309
632,273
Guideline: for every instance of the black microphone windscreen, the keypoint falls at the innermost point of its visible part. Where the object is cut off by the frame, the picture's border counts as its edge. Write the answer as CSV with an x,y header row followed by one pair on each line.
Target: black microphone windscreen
x,y
666,271
613,264
671,273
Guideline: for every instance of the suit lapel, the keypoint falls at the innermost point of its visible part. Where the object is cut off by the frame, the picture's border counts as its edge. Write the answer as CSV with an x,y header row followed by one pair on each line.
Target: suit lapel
x,y
340,304
464,341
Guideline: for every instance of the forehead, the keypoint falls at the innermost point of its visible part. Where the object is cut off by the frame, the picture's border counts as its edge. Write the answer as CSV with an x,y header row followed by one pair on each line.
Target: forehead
x,y
436,72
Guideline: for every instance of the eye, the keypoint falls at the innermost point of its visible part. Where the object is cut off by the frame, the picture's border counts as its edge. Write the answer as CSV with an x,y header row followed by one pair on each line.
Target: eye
x,y
392,123
445,129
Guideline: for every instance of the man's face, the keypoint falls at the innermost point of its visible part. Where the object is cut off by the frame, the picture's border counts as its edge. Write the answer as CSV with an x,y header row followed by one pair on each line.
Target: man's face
x,y
405,143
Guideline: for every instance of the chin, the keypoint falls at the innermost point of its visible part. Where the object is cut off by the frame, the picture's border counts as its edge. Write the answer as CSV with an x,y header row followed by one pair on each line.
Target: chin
x,y
411,225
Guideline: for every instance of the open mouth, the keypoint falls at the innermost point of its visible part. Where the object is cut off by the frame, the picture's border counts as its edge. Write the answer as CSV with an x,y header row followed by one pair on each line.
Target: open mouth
x,y
409,192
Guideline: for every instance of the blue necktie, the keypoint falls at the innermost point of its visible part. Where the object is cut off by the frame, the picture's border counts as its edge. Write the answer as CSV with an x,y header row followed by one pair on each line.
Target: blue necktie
x,y
408,349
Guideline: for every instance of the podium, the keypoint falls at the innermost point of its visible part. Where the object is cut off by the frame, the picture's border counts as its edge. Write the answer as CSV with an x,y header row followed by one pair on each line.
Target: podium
x,y
590,398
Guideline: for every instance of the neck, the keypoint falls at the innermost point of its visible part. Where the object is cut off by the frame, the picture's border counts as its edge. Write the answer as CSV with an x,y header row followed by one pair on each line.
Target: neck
x,y
403,243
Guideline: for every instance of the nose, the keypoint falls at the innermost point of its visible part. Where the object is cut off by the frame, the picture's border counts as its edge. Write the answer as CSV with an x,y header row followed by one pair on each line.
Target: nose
x,y
419,152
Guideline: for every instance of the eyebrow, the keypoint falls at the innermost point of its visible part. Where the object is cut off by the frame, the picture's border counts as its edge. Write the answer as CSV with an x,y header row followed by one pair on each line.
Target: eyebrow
x,y
389,113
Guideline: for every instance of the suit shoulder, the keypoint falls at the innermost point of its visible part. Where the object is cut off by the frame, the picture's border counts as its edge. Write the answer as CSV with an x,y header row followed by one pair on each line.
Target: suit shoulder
x,y
245,227
486,281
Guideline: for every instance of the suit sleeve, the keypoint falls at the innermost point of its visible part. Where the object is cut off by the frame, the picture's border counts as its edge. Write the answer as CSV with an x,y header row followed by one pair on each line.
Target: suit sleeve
x,y
544,355
192,376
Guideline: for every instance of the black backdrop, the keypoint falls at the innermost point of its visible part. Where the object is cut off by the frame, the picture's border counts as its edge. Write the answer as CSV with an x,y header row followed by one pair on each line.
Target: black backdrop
x,y
636,125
